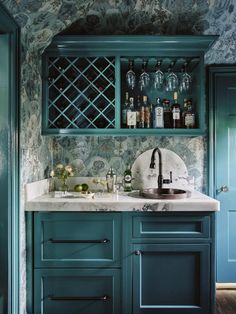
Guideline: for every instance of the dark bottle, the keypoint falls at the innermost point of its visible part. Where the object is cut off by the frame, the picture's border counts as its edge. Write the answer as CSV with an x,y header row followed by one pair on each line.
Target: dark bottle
x,y
147,113
176,113
124,110
138,110
167,114
128,179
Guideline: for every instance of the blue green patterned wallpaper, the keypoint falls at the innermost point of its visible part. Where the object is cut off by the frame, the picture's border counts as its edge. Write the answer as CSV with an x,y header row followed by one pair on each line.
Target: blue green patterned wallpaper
x,y
40,20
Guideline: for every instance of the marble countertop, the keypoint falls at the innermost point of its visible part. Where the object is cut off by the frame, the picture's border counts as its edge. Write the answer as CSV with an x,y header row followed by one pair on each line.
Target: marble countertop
x,y
120,202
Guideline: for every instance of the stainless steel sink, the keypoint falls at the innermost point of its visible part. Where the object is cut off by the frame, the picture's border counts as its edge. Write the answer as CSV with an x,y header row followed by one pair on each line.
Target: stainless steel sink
x,y
164,193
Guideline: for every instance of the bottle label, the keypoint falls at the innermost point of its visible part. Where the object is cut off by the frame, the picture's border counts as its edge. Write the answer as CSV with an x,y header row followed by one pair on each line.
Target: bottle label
x,y
176,114
128,178
189,120
159,117
131,118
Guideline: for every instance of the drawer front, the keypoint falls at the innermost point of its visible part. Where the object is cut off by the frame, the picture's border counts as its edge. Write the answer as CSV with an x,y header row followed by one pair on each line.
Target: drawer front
x,y
86,291
167,226
77,239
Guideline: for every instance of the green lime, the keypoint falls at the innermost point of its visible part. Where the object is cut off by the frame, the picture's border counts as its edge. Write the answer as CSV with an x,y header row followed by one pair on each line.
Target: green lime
x,y
85,187
78,188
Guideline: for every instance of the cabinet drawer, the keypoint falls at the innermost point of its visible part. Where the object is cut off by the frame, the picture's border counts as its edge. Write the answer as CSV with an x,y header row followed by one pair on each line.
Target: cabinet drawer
x,y
85,291
77,239
167,226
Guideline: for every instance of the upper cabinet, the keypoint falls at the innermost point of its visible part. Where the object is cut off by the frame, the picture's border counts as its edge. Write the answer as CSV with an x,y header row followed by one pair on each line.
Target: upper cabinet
x,y
125,85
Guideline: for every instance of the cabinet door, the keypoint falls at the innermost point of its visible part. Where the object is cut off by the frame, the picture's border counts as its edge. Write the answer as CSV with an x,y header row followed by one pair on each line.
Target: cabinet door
x,y
86,291
171,278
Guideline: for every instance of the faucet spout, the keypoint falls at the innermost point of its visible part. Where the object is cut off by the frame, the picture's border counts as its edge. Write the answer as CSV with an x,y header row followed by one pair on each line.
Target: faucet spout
x,y
153,165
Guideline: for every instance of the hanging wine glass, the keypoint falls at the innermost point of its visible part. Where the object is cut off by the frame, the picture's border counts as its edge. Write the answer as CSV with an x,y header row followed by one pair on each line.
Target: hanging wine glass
x,y
130,76
144,78
185,81
158,76
172,81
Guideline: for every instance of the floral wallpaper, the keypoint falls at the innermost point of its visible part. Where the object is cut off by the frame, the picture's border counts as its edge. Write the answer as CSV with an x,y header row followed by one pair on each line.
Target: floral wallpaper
x,y
42,19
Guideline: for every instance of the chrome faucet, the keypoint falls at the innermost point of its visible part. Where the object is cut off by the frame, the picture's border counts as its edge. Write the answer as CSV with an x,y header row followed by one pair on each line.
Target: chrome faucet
x,y
160,180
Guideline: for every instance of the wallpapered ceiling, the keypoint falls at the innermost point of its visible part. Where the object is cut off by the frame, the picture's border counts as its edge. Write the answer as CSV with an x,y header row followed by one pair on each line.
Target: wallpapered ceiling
x,y
41,20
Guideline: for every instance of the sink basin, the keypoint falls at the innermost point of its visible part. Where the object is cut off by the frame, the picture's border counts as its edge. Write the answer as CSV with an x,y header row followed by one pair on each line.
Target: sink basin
x,y
164,193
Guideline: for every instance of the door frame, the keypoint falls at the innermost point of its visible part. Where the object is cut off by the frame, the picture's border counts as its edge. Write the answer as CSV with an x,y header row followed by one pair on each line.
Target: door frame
x,y
9,26
213,71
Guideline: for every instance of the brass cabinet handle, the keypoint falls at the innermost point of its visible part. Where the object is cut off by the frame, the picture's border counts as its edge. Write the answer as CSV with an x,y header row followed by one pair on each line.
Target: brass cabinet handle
x,y
79,241
77,298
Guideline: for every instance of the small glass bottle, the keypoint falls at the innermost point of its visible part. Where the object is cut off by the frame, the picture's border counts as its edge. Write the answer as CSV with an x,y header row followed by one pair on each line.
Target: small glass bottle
x,y
158,114
128,179
176,114
142,115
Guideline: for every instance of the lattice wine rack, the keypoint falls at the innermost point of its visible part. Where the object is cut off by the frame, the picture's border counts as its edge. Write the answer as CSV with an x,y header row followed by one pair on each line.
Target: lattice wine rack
x,y
81,93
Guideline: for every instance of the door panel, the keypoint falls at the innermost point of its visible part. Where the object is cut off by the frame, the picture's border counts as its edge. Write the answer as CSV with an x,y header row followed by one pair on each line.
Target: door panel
x,y
4,168
224,100
171,278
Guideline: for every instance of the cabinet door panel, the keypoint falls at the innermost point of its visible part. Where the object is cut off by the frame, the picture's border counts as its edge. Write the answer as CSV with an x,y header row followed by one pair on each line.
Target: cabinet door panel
x,y
70,291
171,278
77,239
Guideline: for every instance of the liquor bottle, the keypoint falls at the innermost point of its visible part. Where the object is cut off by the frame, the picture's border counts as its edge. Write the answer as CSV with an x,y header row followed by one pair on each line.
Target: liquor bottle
x,y
124,110
138,109
185,109
147,114
128,179
167,114
142,116
131,114
158,114
176,114
189,119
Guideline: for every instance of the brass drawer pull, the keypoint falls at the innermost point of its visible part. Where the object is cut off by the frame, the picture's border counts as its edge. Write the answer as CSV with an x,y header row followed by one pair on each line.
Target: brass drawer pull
x,y
79,241
68,298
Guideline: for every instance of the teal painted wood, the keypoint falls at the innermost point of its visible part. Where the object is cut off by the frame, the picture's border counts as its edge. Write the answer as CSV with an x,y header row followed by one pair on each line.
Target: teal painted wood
x,y
9,214
119,46
4,173
171,278
184,226
222,93
84,291
164,260
72,240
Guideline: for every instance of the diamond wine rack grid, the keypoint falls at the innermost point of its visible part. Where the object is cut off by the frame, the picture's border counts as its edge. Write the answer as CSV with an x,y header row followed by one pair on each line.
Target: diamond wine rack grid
x,y
81,92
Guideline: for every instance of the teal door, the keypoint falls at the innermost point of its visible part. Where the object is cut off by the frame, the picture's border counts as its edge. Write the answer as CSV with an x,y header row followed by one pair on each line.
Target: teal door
x,y
223,100
4,168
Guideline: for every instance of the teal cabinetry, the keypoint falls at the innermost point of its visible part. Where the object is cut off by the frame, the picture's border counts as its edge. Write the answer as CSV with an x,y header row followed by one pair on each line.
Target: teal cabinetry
x,y
84,80
156,263
77,263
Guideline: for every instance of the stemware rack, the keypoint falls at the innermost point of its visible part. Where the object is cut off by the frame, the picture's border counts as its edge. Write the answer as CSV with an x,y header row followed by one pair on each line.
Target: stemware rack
x,y
84,80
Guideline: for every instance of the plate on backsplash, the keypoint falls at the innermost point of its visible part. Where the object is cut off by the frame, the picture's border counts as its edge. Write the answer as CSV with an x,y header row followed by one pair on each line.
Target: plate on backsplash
x,y
144,177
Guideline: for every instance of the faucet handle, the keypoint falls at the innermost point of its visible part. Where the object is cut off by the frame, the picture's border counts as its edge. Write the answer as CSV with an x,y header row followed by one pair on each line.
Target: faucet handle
x,y
168,181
